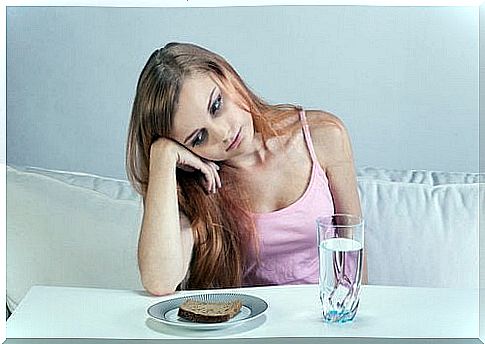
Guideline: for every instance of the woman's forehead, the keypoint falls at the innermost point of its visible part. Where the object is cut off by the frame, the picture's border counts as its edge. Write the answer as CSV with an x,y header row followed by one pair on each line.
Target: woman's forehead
x,y
194,100
195,93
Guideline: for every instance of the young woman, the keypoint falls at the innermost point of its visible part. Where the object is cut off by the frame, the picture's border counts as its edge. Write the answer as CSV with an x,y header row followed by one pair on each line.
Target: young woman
x,y
231,185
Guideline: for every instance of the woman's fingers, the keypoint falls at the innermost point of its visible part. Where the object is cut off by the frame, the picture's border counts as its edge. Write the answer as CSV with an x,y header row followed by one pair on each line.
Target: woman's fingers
x,y
208,176
216,181
212,176
215,168
209,169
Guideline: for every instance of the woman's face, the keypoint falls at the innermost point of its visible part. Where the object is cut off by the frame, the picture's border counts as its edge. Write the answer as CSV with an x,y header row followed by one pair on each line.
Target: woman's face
x,y
209,123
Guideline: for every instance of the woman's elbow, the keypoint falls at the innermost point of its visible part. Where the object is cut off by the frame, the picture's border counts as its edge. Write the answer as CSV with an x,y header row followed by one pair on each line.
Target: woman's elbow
x,y
159,289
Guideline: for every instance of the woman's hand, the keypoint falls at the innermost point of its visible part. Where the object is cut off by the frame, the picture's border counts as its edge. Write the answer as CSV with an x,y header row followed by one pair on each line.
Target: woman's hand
x,y
185,160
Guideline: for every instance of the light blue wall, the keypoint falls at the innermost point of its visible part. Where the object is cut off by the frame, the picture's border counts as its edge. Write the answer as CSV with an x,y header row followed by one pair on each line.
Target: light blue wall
x,y
403,79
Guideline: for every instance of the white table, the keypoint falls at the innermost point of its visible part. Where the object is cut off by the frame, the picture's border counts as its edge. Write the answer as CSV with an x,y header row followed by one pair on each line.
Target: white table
x,y
294,311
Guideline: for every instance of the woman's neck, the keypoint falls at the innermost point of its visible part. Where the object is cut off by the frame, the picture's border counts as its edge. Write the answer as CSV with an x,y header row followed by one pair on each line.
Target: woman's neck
x,y
256,155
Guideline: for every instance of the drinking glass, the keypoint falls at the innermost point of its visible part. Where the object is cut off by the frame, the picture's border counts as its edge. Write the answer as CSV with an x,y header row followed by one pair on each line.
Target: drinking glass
x,y
340,246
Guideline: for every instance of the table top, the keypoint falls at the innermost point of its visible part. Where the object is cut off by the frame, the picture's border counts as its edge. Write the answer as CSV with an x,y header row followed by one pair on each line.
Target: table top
x,y
293,311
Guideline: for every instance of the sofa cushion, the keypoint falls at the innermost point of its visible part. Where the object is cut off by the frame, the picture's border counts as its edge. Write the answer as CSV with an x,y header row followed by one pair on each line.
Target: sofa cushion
x,y
422,231
431,178
69,229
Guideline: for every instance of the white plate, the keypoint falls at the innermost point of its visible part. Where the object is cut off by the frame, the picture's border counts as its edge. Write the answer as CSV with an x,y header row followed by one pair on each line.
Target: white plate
x,y
166,311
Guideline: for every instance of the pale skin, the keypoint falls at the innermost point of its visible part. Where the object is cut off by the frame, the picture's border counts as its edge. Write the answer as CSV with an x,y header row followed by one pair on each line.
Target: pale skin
x,y
205,124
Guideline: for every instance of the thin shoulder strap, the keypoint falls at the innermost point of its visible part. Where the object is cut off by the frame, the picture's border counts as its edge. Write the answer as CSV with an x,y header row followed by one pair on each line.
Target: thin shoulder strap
x,y
306,133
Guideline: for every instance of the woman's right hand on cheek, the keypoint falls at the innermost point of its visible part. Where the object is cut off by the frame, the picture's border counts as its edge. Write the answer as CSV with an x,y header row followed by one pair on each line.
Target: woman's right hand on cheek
x,y
184,159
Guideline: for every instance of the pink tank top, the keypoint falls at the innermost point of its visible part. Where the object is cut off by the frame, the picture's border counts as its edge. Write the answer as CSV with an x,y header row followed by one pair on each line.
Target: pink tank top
x,y
288,250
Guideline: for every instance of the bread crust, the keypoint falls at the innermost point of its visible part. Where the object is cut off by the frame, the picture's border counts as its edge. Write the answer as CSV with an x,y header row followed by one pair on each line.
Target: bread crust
x,y
209,312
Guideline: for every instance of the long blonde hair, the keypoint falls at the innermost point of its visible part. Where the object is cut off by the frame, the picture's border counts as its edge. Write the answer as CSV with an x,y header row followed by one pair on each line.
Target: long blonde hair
x,y
223,228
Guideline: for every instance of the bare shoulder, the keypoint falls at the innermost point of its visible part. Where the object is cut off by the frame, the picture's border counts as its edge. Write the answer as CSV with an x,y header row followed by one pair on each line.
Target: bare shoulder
x,y
322,122
329,137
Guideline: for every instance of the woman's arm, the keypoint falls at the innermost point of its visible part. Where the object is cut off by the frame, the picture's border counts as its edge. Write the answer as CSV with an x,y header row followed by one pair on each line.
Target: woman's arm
x,y
166,240
164,247
334,152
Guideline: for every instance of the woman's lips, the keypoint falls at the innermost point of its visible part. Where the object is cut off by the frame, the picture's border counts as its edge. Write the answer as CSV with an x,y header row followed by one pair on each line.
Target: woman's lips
x,y
235,143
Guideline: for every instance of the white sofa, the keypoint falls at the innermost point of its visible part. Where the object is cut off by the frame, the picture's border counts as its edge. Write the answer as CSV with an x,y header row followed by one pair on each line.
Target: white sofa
x,y
76,229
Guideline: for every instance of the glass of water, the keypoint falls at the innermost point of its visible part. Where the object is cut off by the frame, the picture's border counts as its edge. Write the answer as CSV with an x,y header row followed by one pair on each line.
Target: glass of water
x,y
341,249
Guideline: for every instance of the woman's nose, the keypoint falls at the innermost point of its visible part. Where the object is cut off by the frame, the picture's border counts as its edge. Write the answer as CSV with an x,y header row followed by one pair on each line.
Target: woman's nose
x,y
226,139
222,133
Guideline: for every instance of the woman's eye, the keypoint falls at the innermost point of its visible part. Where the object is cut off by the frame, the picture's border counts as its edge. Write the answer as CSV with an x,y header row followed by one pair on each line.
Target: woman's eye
x,y
199,138
216,105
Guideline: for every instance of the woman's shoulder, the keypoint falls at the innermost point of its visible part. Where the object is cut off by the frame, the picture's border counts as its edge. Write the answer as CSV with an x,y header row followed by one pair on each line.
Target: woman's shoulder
x,y
318,120
329,135
324,122
327,132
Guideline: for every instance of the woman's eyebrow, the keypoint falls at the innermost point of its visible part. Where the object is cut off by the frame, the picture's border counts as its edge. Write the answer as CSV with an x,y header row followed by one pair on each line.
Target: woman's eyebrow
x,y
192,134
208,107
210,98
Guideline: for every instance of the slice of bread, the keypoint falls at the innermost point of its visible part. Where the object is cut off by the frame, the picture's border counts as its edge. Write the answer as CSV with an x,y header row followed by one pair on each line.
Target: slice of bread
x,y
209,312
